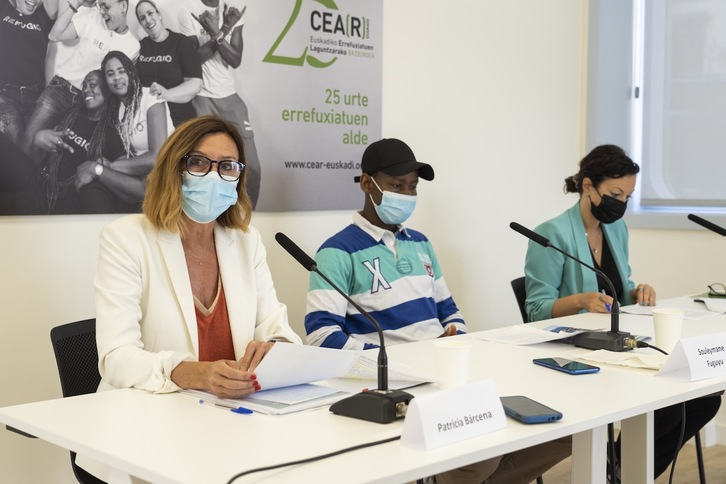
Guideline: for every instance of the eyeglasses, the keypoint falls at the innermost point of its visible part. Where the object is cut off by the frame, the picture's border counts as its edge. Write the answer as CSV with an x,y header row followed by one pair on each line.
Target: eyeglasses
x,y
228,170
717,289
105,7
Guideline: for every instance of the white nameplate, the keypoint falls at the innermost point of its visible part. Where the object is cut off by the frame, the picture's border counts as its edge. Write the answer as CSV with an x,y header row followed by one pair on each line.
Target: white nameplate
x,y
453,415
697,358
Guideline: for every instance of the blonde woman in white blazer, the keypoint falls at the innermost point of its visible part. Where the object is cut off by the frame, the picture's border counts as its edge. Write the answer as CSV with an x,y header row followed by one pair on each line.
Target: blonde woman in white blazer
x,y
184,296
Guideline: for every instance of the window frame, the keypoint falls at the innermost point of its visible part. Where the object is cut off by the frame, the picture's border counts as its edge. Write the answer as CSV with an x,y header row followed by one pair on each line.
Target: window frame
x,y
615,53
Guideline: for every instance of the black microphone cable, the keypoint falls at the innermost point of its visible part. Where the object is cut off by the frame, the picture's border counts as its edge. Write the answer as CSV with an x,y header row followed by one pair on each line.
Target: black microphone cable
x,y
313,459
634,343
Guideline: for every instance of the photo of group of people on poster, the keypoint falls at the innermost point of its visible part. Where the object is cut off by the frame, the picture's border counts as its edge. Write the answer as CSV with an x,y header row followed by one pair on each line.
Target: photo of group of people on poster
x,y
84,142
90,90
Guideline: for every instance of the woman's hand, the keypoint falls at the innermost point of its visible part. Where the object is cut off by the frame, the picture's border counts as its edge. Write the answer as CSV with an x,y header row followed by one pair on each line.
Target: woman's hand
x,y
644,295
225,379
52,141
85,174
159,91
255,351
595,302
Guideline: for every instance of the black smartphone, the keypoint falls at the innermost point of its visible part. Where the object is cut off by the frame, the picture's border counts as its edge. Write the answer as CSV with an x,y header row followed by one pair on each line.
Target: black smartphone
x,y
567,366
529,411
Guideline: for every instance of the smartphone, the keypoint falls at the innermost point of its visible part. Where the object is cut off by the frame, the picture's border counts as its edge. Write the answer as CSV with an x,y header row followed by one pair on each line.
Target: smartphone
x,y
529,411
567,366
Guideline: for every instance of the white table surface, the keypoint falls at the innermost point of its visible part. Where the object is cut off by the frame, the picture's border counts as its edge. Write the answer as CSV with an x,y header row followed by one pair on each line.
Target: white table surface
x,y
172,439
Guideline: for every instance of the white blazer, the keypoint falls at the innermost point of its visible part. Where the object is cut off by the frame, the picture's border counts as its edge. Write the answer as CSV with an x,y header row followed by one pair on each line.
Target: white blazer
x,y
145,318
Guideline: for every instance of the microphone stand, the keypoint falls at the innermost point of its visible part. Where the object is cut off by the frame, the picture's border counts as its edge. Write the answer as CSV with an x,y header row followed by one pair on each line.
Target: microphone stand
x,y
382,405
613,340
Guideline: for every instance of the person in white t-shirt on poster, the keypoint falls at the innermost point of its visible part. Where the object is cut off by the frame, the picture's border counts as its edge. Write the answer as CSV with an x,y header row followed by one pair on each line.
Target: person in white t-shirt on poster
x,y
143,123
59,53
97,35
216,28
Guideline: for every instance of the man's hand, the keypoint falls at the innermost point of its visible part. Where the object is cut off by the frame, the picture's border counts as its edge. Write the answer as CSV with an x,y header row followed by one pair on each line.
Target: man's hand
x,y
449,331
209,20
231,16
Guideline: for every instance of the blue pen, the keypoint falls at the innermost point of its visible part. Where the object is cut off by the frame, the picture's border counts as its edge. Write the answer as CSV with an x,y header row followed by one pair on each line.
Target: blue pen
x,y
232,408
607,306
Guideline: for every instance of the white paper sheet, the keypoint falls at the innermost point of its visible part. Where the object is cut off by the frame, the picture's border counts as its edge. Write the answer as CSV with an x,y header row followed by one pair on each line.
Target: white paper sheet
x,y
648,311
294,394
279,401
633,359
289,364
525,334
715,305
366,367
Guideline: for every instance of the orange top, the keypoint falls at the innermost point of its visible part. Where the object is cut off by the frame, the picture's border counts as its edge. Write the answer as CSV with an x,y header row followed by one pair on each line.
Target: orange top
x,y
215,336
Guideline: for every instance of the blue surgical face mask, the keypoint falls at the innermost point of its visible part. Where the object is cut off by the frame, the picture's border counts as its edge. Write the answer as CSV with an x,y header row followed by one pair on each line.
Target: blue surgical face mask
x,y
207,197
394,208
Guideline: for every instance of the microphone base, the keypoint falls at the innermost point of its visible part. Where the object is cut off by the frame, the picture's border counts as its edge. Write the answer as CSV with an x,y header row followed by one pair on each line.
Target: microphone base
x,y
380,406
601,340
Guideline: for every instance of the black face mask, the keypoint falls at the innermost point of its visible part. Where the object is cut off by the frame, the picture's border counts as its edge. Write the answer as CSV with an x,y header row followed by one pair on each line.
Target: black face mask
x,y
609,210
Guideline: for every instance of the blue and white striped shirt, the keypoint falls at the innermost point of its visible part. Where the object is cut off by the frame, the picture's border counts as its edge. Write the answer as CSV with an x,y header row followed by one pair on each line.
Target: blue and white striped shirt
x,y
395,277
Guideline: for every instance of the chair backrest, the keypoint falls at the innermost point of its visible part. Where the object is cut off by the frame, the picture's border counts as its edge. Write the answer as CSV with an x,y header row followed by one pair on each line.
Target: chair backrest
x,y
521,294
76,356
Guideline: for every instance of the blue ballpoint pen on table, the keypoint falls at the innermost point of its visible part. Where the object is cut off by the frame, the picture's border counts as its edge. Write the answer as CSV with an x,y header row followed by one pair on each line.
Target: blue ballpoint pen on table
x,y
607,306
232,408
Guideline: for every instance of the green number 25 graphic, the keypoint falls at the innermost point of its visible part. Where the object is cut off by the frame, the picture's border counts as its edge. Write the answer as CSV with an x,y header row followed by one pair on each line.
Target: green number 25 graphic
x,y
273,58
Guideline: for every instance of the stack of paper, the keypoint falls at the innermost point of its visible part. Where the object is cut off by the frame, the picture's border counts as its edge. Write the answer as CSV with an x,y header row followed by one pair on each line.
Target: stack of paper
x,y
288,370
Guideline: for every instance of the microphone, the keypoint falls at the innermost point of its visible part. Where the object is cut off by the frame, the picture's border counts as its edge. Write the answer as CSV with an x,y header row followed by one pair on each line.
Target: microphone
x,y
381,405
613,340
709,225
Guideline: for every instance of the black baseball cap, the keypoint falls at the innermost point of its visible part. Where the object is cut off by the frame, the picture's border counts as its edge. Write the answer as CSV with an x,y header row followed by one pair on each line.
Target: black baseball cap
x,y
393,157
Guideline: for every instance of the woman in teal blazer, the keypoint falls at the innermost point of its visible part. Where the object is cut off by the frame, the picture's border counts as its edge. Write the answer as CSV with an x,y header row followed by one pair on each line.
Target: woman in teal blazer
x,y
594,232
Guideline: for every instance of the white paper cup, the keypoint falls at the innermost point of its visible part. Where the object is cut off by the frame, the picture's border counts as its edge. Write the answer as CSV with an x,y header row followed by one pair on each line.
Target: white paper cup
x,y
667,325
452,362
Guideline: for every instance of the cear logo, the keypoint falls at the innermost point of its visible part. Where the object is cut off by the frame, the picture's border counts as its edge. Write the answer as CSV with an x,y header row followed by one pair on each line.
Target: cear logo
x,y
326,22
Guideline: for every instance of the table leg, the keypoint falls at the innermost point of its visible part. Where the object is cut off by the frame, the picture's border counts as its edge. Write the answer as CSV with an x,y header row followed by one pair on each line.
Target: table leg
x,y
636,453
589,456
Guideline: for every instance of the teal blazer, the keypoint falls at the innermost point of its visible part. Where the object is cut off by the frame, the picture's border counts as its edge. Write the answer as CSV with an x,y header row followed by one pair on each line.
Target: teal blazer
x,y
550,275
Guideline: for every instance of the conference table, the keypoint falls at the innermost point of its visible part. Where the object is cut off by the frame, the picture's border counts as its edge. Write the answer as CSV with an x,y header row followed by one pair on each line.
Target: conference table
x,y
170,438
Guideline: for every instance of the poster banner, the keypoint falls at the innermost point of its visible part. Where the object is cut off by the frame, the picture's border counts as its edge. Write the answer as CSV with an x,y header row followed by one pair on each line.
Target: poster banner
x,y
316,93
82,116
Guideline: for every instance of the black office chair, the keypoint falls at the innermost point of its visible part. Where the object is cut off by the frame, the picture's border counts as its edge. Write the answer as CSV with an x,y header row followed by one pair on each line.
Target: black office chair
x,y
699,458
76,356
520,293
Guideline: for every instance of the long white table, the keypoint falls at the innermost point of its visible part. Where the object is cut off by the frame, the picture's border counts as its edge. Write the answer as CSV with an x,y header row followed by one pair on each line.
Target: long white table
x,y
172,439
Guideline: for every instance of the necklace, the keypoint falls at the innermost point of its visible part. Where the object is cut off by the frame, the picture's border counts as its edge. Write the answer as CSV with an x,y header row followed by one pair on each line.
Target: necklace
x,y
198,261
205,246
594,247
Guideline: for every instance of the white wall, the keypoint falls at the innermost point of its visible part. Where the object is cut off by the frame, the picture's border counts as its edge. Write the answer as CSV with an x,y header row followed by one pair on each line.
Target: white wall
x,y
489,92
